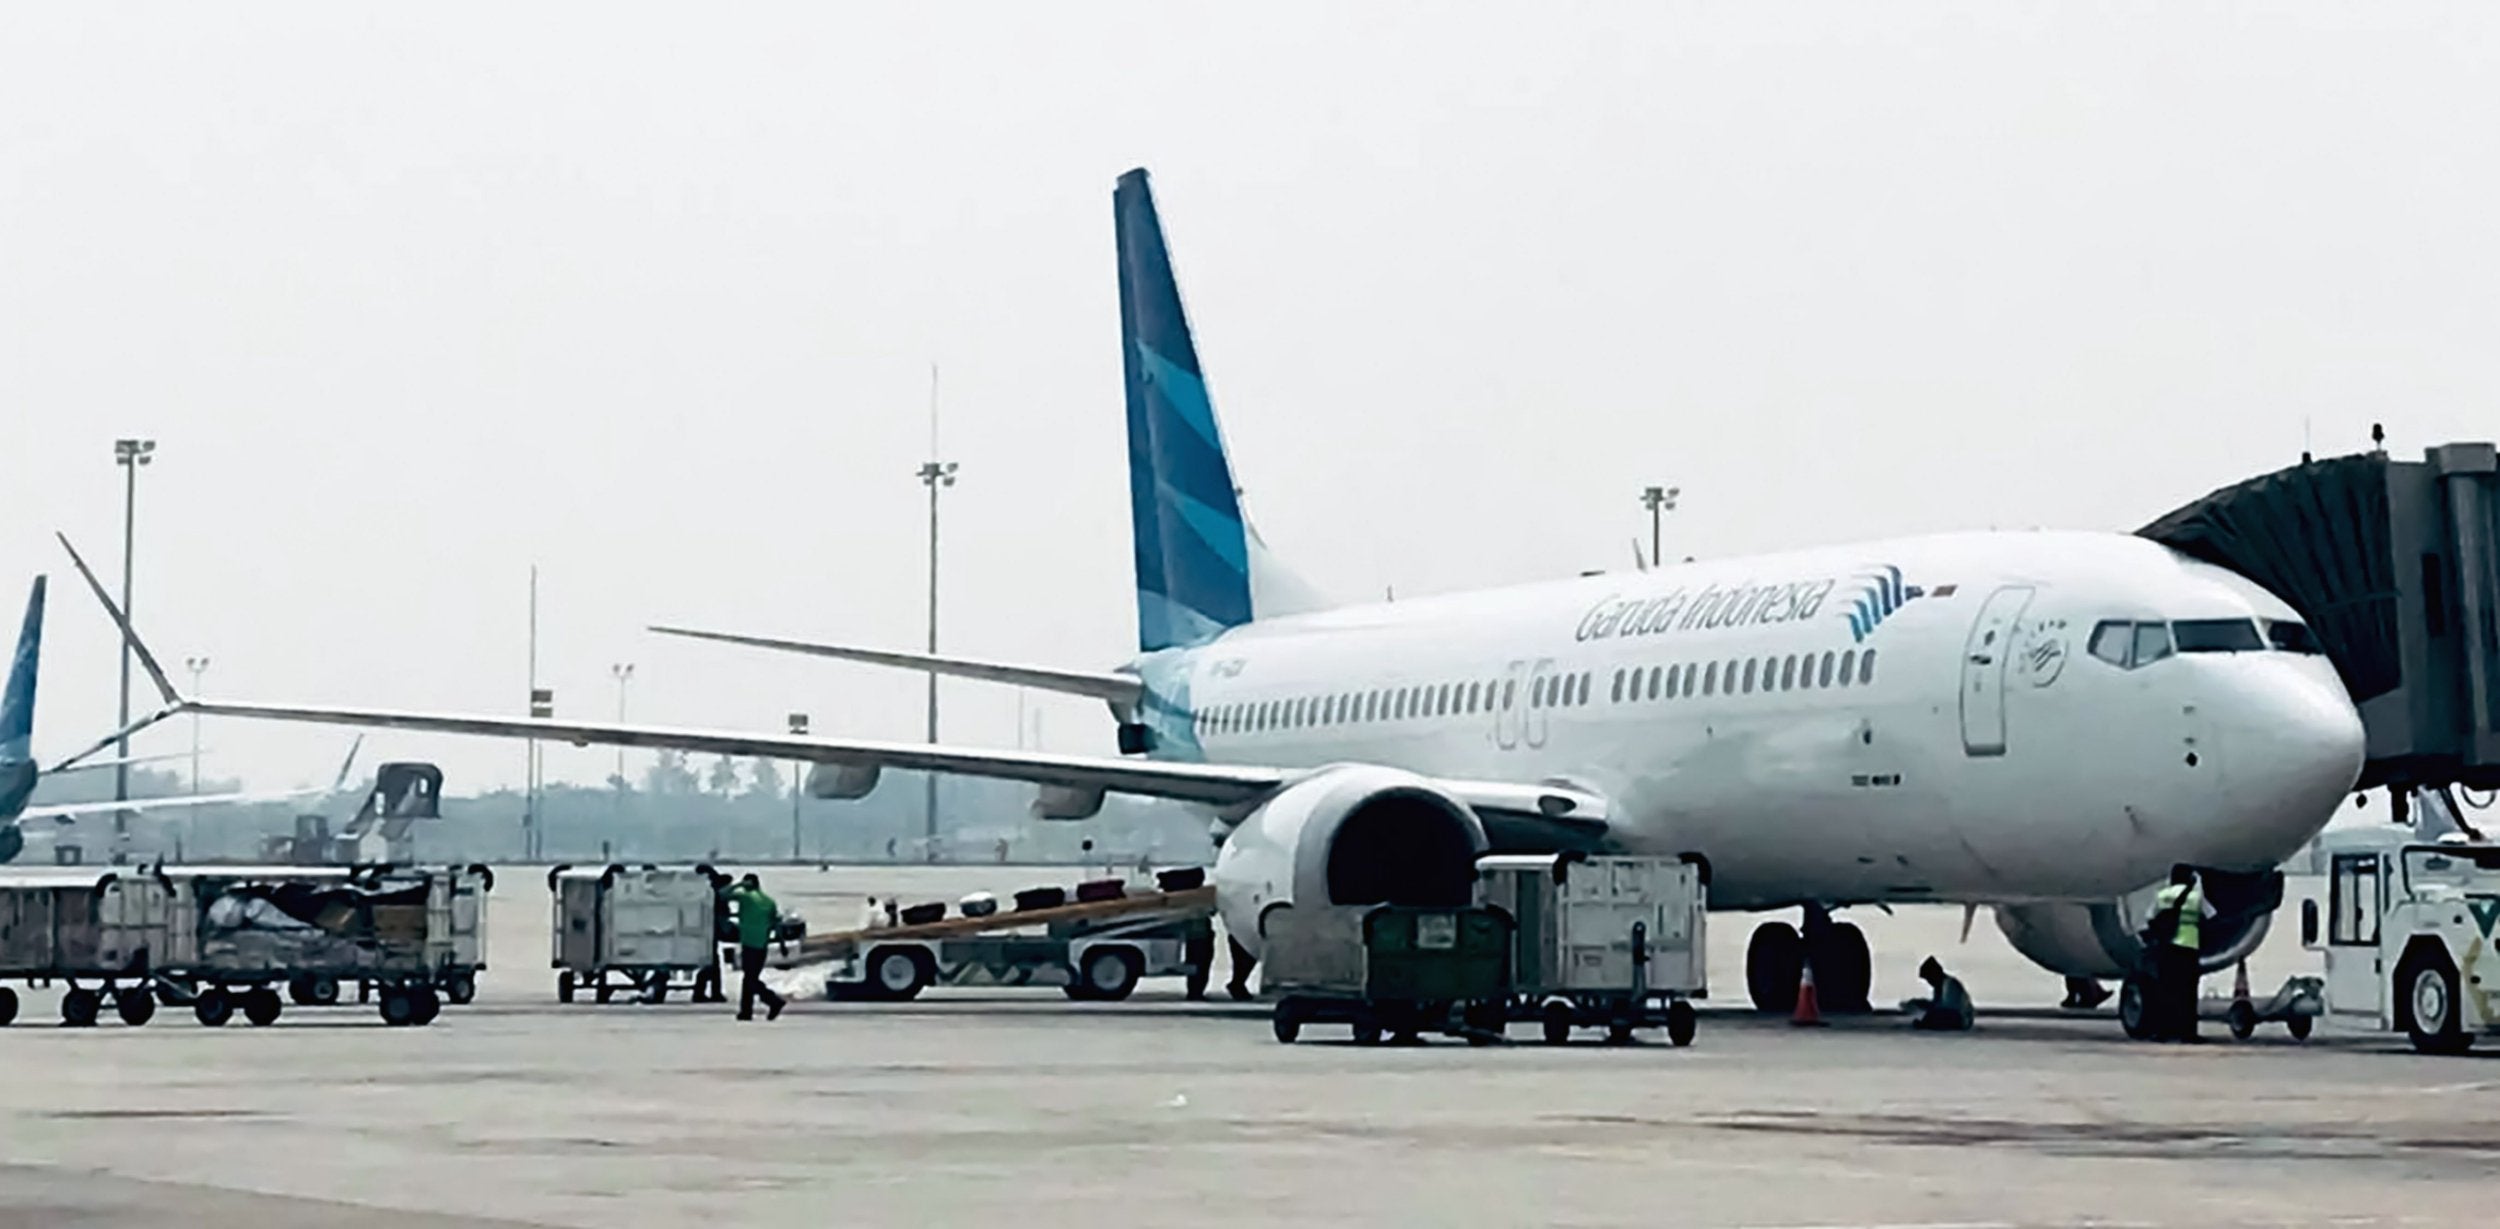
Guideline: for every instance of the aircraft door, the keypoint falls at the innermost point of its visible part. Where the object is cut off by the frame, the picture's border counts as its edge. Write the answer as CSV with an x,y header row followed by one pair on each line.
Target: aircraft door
x,y
1509,699
1985,659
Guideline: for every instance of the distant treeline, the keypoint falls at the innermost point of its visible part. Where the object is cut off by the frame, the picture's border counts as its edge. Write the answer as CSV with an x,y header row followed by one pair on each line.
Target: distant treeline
x,y
733,810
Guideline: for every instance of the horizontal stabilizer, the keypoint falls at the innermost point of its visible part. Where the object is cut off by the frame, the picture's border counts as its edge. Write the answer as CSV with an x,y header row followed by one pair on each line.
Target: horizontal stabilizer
x,y
1121,690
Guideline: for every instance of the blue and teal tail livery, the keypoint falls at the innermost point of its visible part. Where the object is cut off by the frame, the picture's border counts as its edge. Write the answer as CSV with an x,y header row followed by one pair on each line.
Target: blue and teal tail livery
x,y
1193,551
17,705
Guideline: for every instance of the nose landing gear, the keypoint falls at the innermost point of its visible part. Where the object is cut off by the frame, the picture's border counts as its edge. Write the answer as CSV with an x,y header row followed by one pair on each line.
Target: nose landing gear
x,y
1844,967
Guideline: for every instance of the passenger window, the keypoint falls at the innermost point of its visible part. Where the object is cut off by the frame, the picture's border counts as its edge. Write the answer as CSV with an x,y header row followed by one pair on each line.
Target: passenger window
x,y
1788,674
1657,681
1749,670
1866,668
1826,673
1710,680
1848,666
1445,707
1675,675
2152,642
2111,639
1588,684
1510,692
1474,690
1618,688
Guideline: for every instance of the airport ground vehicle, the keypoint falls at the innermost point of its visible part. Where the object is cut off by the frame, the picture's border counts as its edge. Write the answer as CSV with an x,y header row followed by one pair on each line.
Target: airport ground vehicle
x,y
1096,950
1601,942
1393,970
98,931
642,930
406,937
2409,939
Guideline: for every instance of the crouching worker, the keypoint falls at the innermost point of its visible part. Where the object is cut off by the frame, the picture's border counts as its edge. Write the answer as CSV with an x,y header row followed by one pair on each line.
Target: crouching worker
x,y
756,917
1947,1008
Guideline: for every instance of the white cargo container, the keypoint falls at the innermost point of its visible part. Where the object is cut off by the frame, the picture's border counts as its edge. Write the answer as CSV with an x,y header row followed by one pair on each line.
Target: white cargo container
x,y
102,932
638,929
1611,942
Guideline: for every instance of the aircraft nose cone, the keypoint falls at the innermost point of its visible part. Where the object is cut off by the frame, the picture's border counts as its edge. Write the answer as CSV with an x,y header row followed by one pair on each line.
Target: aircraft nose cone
x,y
2294,755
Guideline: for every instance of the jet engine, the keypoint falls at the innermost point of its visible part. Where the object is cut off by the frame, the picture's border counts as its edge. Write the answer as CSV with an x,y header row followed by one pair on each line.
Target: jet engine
x,y
1348,835
2100,940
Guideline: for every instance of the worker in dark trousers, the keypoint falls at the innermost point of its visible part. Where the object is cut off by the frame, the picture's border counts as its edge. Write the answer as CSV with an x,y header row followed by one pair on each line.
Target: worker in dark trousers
x,y
756,916
1243,962
1947,1007
2176,938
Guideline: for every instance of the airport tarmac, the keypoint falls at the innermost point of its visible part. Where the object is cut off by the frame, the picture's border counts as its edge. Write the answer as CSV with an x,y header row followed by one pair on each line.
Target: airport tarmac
x,y
1020,1107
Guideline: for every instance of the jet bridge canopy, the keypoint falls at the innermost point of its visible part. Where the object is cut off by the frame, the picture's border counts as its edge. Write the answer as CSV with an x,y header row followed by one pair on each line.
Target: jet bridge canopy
x,y
2396,566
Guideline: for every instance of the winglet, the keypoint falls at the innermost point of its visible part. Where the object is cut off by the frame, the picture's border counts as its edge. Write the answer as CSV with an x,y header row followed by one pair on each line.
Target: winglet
x,y
147,660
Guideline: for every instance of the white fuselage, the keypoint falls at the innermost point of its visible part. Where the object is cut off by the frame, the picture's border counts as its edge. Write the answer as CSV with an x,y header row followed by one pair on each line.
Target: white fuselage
x,y
1985,754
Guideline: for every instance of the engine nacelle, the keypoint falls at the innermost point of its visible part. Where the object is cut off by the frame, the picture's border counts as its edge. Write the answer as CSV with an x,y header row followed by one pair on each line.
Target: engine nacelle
x,y
2100,940
1350,835
842,782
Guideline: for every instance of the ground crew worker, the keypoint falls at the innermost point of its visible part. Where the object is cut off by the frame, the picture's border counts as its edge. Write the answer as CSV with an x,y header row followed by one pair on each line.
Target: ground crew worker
x,y
1947,1009
756,917
2178,947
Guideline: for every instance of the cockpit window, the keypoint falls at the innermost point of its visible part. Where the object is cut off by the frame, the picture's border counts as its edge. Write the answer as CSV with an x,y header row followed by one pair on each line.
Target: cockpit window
x,y
2152,642
2111,640
2292,637
2217,636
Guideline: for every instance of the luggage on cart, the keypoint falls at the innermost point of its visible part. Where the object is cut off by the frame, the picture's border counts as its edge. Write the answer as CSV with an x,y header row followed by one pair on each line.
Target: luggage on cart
x,y
1031,899
398,934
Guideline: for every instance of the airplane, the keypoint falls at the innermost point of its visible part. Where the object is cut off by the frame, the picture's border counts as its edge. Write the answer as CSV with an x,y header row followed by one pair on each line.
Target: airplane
x,y
2040,723
18,773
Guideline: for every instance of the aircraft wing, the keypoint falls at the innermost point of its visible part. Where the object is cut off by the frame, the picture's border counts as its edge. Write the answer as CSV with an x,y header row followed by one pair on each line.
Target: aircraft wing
x,y
1553,808
63,812
1120,690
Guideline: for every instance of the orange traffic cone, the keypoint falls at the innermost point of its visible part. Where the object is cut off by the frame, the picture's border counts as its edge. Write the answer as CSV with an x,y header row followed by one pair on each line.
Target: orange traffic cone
x,y
1809,1006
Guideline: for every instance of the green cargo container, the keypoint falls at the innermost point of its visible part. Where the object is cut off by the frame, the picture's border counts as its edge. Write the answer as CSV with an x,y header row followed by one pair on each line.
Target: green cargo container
x,y
1398,970
1417,955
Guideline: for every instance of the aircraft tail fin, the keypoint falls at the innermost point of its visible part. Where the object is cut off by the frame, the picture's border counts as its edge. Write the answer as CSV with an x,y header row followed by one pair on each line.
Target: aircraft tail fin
x,y
1200,566
17,704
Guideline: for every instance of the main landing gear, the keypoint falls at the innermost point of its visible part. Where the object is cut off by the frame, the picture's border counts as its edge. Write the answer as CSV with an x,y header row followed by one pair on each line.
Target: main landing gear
x,y
1844,968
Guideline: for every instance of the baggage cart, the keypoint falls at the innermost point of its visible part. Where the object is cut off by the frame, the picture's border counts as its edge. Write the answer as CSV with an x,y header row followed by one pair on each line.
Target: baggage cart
x,y
1393,970
239,933
1601,942
100,932
641,930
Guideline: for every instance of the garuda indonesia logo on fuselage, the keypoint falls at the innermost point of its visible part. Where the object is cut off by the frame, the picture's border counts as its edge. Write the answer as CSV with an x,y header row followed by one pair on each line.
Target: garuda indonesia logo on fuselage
x,y
1880,593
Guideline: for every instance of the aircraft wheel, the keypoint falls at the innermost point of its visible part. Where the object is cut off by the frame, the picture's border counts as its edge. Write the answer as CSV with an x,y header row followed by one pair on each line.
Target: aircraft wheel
x,y
1774,960
2242,1020
2133,1009
1844,969
2299,1027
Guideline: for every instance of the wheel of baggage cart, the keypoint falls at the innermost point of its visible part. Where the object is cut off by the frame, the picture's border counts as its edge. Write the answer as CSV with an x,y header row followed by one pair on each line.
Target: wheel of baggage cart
x,y
312,990
564,986
261,1006
2299,1026
655,986
2131,1009
1110,975
428,1005
8,1006
1557,1022
1287,1021
898,973
79,1007
1367,1032
135,1007
459,989
2241,1019
399,1006
212,1008
1681,1021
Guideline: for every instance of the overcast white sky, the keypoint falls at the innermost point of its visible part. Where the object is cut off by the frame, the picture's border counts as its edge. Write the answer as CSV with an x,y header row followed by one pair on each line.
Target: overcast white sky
x,y
413,297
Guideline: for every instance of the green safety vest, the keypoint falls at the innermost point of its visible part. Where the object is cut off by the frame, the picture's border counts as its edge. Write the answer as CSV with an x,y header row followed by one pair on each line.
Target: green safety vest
x,y
2189,899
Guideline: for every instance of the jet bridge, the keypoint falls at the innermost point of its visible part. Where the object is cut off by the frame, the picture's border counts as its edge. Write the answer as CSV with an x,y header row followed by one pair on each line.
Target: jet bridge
x,y
2396,566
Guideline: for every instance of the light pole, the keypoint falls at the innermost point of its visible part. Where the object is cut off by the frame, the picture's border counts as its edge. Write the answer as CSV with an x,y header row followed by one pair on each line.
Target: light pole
x,y
798,784
197,666
934,474
623,672
130,454
1659,501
